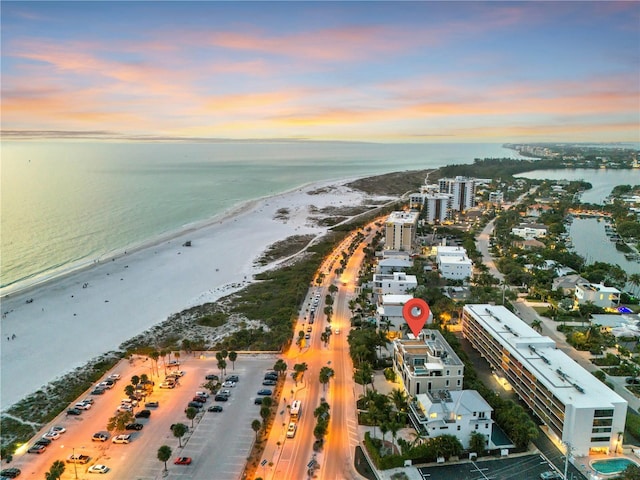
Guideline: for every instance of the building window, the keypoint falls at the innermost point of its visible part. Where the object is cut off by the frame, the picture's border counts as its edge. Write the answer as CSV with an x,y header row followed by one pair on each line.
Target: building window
x,y
458,382
447,383
603,413
476,426
475,414
486,425
599,439
458,428
459,372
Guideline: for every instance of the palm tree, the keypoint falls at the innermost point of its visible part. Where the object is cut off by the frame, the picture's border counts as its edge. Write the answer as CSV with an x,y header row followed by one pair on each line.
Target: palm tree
x,y
537,325
56,471
384,428
634,279
232,358
399,399
255,426
155,355
280,366
222,365
265,412
135,380
394,426
164,454
325,375
191,414
179,429
267,402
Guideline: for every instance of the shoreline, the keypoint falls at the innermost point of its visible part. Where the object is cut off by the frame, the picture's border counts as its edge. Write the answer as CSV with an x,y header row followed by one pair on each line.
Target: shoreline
x,y
38,280
128,294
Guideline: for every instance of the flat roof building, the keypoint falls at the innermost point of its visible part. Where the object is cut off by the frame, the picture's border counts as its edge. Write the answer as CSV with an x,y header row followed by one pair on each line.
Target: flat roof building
x,y
598,294
427,363
577,408
400,230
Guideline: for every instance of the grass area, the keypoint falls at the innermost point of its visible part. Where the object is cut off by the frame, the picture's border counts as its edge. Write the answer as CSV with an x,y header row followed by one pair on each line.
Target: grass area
x,y
285,248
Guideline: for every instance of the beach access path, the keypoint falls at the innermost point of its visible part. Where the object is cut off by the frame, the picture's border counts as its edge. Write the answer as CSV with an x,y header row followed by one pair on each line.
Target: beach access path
x,y
81,315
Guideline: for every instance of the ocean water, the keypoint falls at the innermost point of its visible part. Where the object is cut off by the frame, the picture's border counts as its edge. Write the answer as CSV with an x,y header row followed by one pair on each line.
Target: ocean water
x,y
68,204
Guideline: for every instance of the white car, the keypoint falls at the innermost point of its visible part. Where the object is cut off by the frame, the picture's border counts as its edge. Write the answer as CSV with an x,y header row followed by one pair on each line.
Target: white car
x,y
226,393
291,431
229,384
82,406
52,435
167,385
58,429
124,408
98,469
121,439
114,376
337,331
202,394
179,373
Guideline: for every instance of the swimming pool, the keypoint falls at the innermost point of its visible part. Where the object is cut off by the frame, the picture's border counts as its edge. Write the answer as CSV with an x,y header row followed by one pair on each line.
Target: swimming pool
x,y
611,466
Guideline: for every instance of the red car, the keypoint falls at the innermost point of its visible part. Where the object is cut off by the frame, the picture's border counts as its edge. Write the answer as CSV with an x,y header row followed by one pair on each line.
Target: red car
x,y
182,461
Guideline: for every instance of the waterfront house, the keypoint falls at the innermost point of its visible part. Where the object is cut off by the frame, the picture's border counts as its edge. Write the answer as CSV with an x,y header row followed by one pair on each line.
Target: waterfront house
x,y
598,294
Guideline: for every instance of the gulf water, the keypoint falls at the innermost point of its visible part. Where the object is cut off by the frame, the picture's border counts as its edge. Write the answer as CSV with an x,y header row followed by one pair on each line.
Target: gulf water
x,y
67,204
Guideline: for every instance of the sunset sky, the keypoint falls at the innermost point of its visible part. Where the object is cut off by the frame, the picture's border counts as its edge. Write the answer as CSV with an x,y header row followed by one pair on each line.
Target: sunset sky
x,y
366,71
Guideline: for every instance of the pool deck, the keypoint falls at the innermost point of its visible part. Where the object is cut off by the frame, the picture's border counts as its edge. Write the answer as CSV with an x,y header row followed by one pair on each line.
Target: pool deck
x,y
584,464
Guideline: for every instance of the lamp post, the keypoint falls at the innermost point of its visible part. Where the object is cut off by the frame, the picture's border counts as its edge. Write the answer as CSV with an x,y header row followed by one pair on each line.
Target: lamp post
x,y
75,463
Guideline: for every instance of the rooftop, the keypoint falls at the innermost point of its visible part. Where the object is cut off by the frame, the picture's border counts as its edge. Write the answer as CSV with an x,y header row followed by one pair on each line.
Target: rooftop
x,y
403,217
567,380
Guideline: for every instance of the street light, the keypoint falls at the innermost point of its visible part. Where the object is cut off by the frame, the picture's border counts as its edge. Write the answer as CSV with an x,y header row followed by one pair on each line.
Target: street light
x,y
73,456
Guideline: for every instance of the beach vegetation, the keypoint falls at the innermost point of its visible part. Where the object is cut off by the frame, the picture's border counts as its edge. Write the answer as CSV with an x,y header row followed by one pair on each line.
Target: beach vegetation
x,y
213,320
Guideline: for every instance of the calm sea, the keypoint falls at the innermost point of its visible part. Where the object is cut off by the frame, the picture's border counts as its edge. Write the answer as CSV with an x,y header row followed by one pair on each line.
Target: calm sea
x,y
67,204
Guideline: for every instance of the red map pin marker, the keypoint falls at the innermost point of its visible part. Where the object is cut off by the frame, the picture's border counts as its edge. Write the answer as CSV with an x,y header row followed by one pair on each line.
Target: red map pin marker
x,y
415,313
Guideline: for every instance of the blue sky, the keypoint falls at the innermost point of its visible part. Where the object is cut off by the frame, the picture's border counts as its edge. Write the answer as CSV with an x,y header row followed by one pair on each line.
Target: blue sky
x,y
366,71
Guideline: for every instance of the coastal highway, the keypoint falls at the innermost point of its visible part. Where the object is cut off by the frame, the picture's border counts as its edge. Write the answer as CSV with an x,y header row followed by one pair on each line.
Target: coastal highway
x,y
290,457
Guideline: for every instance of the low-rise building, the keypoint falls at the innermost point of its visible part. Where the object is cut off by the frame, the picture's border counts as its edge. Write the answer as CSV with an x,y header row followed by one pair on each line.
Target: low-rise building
x,y
567,283
530,230
453,263
598,294
576,407
458,413
427,363
389,314
393,283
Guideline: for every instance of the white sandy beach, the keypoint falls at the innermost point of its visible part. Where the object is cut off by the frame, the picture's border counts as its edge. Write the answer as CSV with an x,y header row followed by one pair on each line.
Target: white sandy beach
x,y
66,325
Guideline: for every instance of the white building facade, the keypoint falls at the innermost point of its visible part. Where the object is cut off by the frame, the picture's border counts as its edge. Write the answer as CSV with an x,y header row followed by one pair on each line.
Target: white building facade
x,y
576,407
453,263
598,294
462,191
529,231
458,413
389,314
427,363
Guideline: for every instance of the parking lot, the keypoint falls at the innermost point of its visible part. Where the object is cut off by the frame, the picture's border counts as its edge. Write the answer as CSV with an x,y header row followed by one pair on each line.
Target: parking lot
x,y
524,467
219,444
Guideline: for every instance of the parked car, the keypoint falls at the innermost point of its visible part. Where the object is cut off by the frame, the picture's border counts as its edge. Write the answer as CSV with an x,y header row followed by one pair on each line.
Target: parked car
x,y
182,461
233,378
10,472
106,384
43,441
226,392
51,435
228,384
97,391
124,408
178,373
114,377
88,400
78,458
196,405
152,404
100,437
134,426
211,377
74,411
98,469
309,329
125,438
271,376
265,392
143,414
307,336
202,394
37,449
214,408
550,475
167,385
633,380
199,399
220,398
258,401
58,429
82,406
270,383
174,362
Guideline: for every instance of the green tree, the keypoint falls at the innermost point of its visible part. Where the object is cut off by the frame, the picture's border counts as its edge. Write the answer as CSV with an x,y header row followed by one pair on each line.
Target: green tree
x,y
191,414
232,358
632,472
364,375
256,425
129,390
537,325
179,429
399,399
265,412
56,471
267,402
325,375
135,380
119,421
222,365
144,378
280,366
477,443
154,356
164,454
